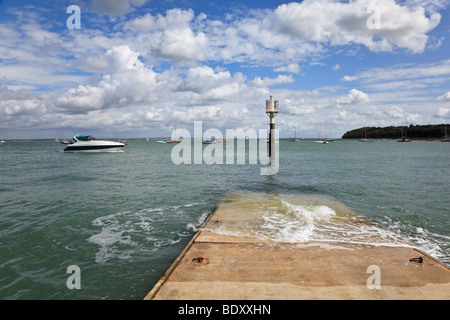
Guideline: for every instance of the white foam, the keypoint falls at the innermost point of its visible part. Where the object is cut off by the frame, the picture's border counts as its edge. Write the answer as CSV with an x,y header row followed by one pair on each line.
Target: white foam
x,y
107,240
309,213
422,239
301,219
194,226
323,246
295,222
126,233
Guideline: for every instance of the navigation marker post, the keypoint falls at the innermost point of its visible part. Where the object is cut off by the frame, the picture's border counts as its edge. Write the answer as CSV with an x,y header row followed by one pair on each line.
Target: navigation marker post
x,y
272,108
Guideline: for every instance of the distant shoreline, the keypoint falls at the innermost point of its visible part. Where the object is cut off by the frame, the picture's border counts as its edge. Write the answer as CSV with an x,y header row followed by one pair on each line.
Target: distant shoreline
x,y
412,132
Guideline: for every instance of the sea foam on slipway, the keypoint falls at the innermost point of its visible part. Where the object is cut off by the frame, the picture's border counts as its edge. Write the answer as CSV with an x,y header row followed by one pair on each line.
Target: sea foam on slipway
x,y
296,219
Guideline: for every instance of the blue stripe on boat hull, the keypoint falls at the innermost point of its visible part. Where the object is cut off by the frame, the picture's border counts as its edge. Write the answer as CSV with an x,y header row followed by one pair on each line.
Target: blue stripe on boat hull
x,y
91,148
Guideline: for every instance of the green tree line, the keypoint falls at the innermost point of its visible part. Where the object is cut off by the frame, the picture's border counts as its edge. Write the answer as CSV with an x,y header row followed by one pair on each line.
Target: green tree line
x,y
430,131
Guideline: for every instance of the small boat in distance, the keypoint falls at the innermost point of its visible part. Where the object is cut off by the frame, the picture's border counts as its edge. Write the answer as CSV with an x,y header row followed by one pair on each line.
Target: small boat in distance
x,y
403,138
175,141
169,141
320,140
365,137
446,138
88,143
210,141
295,136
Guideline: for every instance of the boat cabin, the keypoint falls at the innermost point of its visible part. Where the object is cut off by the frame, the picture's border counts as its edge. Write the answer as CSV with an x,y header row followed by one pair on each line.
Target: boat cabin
x,y
84,138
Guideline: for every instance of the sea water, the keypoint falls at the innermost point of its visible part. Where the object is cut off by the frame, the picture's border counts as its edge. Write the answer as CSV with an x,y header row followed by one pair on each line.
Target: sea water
x,y
123,217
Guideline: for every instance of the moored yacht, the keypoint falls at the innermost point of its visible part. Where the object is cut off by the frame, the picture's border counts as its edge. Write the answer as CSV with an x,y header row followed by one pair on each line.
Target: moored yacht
x,y
446,137
403,138
88,143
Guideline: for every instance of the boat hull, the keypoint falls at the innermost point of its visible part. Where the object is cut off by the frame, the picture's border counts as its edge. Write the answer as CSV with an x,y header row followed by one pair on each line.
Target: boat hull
x,y
97,146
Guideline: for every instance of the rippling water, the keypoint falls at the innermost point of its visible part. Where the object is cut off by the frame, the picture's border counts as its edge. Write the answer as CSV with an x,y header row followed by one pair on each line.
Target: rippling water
x,y
123,217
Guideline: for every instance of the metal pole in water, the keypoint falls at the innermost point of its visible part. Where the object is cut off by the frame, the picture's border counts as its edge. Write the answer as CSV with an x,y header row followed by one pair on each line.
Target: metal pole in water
x,y
272,108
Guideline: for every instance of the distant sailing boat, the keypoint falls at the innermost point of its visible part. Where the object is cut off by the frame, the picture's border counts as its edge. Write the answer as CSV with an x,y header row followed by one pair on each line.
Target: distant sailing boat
x,y
327,139
320,140
171,141
446,139
365,137
403,139
295,139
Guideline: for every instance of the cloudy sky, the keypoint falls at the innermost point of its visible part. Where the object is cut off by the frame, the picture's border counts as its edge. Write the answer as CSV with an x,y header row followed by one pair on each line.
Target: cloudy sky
x,y
138,68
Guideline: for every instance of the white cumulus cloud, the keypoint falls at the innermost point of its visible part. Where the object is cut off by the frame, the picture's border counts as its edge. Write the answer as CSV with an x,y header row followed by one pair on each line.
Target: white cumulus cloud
x,y
171,37
443,113
349,78
129,82
354,96
337,23
291,68
267,82
445,97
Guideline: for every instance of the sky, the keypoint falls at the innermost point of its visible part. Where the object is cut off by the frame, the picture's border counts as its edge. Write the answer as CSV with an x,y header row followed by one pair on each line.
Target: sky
x,y
141,68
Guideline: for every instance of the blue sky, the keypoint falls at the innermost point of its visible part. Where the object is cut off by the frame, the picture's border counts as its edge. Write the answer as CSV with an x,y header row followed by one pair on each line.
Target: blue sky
x,y
138,68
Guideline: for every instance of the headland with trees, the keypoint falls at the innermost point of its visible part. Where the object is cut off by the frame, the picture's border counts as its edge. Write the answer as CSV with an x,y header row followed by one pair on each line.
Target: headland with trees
x,y
416,132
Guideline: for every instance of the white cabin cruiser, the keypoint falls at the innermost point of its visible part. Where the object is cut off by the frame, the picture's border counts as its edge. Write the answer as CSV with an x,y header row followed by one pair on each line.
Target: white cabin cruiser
x,y
88,143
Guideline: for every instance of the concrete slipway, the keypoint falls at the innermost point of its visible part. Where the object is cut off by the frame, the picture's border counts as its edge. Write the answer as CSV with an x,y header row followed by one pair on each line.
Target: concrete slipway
x,y
234,255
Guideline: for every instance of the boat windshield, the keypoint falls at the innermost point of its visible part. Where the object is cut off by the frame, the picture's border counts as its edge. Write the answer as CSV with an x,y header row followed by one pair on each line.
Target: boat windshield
x,y
84,138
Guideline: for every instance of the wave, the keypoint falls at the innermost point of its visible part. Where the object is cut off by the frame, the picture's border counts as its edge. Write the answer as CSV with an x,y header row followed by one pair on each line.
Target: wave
x,y
434,244
298,218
